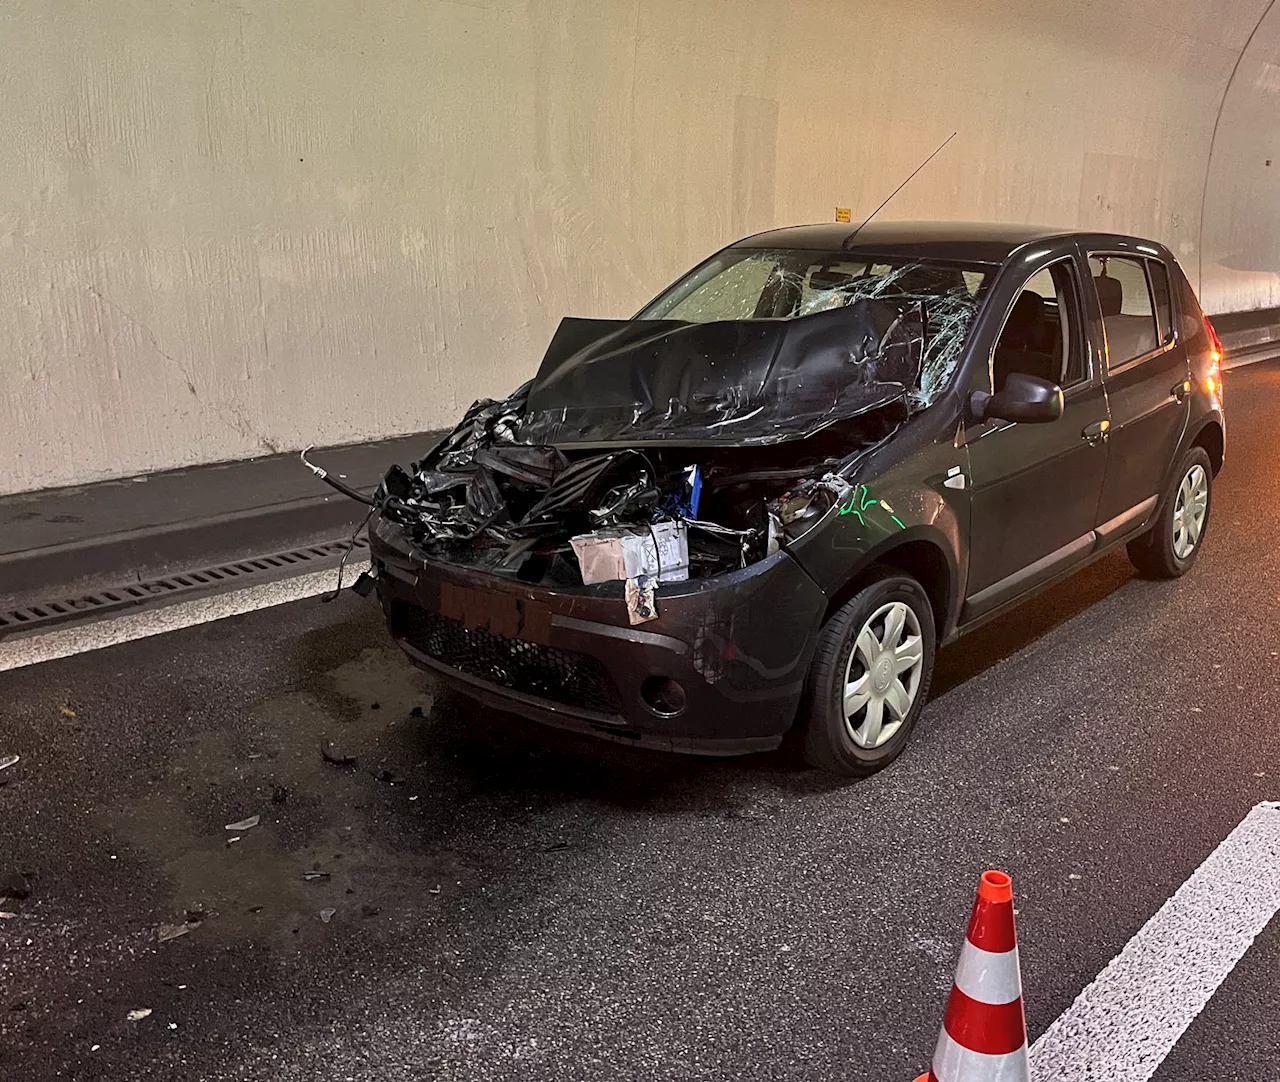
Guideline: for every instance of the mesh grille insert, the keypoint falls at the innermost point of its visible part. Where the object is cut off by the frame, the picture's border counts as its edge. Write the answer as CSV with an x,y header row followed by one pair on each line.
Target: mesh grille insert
x,y
547,672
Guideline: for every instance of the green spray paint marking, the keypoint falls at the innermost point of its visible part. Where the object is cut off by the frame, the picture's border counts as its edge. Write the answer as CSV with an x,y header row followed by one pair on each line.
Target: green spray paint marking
x,y
858,503
861,501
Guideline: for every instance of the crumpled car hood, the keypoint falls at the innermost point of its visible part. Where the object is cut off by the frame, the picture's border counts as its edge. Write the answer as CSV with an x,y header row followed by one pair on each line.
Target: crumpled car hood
x,y
743,382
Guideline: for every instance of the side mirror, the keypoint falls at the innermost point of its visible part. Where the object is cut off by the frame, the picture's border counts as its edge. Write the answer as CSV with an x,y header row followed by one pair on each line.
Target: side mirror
x,y
1026,399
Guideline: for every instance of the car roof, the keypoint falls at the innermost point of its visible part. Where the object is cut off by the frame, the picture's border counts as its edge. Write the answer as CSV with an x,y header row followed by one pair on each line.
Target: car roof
x,y
982,242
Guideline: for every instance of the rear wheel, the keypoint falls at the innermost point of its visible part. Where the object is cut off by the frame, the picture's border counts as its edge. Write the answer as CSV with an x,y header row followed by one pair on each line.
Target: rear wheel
x,y
1170,547
870,676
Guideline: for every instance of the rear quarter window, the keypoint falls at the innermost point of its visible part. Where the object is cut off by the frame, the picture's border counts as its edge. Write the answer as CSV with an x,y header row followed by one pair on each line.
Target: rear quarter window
x,y
1159,275
1189,314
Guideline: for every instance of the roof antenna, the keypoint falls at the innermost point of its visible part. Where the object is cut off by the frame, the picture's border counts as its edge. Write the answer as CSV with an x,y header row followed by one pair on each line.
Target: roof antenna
x,y
849,239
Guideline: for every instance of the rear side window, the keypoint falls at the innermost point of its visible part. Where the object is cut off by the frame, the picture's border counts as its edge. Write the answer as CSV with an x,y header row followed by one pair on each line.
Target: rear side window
x,y
1128,312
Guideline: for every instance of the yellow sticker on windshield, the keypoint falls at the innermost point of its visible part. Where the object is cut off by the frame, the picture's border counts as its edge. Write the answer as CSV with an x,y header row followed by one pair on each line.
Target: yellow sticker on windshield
x,y
843,214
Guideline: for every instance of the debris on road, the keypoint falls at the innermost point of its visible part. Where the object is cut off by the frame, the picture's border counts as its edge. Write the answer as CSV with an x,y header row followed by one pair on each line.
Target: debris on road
x,y
390,777
67,712
4,915
8,761
326,915
232,841
245,824
139,1014
370,910
434,890
166,932
337,758
559,847
14,885
314,874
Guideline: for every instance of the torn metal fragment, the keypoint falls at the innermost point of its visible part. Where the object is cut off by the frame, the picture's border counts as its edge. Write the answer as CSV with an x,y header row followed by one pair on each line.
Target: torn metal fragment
x,y
642,606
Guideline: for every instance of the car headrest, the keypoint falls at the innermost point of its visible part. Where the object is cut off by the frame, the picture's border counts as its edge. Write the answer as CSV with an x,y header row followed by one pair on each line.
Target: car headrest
x,y
1027,313
1023,328
1110,294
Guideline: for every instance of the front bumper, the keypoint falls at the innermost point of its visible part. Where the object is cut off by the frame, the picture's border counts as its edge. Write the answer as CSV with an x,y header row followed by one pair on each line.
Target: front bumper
x,y
739,646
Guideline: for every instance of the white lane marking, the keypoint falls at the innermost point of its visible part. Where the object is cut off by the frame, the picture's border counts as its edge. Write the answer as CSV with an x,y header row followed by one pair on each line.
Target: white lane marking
x,y
65,642
1127,1021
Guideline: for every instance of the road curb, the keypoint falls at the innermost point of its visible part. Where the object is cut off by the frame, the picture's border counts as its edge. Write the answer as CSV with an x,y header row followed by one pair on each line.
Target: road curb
x,y
152,551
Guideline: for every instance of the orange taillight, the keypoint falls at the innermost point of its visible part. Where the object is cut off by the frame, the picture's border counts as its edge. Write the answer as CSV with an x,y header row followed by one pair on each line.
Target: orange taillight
x,y
1215,342
1213,380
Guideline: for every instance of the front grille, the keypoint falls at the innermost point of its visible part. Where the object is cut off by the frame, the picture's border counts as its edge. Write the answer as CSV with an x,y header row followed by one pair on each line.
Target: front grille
x,y
545,671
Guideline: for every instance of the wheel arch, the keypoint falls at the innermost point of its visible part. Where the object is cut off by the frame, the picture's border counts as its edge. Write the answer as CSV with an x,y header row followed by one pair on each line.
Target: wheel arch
x,y
919,553
1213,439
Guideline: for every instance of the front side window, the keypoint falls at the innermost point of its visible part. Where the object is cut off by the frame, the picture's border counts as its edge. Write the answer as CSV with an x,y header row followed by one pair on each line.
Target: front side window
x,y
1040,335
1128,313
790,283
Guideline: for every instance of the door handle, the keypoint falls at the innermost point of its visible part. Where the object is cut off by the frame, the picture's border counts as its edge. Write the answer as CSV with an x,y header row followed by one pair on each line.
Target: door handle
x,y
1181,390
1096,434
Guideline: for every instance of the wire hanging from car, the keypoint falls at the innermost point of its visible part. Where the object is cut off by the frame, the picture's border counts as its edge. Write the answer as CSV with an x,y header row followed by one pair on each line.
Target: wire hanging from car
x,y
333,482
337,590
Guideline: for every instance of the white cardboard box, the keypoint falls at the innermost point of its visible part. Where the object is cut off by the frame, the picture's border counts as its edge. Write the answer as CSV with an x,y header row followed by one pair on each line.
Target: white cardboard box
x,y
631,552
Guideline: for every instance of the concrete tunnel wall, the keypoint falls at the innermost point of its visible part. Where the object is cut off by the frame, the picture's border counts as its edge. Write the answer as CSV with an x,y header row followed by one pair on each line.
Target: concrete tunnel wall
x,y
245,226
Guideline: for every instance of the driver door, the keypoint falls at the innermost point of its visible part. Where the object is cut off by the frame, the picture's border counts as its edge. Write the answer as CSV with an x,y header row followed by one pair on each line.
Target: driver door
x,y
1035,487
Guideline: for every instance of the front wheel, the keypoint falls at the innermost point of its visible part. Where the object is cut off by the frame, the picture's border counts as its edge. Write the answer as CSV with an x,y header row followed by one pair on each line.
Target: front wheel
x,y
870,676
1171,546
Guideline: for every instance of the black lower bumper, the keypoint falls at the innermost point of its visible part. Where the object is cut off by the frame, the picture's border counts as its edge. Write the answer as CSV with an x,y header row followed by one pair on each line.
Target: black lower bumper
x,y
738,646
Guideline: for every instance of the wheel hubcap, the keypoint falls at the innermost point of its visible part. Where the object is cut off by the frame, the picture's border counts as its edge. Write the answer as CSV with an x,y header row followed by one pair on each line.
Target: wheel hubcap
x,y
1189,511
882,677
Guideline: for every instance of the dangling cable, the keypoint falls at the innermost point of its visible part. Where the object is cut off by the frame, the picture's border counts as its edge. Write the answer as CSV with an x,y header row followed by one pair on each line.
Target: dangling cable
x,y
343,562
341,486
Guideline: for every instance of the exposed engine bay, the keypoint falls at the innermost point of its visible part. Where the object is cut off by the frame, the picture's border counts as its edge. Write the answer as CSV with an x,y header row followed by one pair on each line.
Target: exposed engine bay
x,y
660,450
485,501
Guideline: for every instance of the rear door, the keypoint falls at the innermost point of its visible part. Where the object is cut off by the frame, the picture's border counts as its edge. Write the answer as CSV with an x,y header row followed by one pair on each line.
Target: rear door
x,y
1147,379
1035,487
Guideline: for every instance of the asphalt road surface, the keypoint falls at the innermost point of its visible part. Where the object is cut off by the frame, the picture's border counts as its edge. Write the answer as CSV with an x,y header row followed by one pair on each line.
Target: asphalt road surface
x,y
507,902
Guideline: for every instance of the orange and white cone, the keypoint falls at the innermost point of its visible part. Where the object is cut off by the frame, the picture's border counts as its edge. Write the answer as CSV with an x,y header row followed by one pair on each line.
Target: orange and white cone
x,y
984,1032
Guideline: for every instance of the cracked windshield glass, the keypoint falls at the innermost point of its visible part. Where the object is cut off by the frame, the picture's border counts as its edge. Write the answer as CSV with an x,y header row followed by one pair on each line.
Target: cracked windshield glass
x,y
748,283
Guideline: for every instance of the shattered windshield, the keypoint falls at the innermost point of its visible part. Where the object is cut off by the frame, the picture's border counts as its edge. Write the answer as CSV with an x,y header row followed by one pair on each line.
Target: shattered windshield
x,y
789,283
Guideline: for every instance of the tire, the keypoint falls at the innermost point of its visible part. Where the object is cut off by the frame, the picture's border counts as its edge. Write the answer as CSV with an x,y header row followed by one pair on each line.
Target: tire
x,y
830,737
1166,551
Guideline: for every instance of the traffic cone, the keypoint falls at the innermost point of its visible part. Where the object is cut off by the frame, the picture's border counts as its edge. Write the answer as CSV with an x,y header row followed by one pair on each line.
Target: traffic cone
x,y
984,1033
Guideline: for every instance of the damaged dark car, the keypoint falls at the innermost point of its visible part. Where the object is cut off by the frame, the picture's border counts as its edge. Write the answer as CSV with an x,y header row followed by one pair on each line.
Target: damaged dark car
x,y
754,511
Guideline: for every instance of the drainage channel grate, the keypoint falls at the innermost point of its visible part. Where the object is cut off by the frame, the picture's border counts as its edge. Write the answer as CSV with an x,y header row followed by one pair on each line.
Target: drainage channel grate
x,y
234,574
